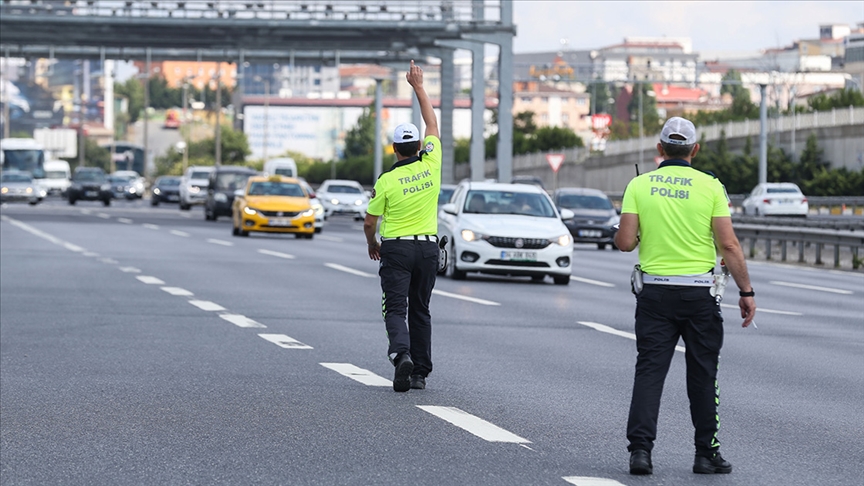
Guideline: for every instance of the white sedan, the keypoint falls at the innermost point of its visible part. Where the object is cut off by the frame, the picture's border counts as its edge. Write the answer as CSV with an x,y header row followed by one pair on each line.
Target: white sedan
x,y
506,229
776,199
343,197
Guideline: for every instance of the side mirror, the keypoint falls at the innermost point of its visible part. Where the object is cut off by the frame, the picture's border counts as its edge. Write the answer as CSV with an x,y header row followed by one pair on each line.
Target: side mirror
x,y
449,208
368,194
567,214
618,211
239,193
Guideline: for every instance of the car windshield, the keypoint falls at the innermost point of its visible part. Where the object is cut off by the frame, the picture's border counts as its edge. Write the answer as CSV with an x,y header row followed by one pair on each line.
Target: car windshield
x,y
231,181
270,188
783,190
116,178
199,175
343,190
90,176
168,182
580,201
55,174
444,196
508,202
285,171
17,178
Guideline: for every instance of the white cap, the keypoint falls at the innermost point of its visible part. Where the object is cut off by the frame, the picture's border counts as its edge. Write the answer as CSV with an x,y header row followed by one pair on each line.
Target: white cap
x,y
406,132
681,127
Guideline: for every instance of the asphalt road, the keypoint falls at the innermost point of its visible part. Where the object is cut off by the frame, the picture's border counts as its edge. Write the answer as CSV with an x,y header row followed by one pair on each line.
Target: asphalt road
x,y
148,346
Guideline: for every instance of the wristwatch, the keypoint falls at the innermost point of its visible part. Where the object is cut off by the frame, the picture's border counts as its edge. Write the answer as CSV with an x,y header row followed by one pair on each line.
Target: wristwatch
x,y
747,294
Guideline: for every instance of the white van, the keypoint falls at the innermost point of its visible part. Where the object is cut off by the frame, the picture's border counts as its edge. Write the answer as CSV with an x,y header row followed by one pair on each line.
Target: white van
x,y
58,177
283,166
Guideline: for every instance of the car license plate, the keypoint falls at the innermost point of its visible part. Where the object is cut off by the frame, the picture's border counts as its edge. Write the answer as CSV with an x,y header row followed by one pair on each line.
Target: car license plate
x,y
173,198
280,222
590,233
91,193
519,256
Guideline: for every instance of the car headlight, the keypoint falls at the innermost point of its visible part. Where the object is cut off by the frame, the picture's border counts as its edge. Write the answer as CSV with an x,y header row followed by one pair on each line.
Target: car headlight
x,y
194,189
249,210
131,190
220,197
106,187
614,220
307,213
334,201
358,202
157,191
29,190
469,235
4,190
564,240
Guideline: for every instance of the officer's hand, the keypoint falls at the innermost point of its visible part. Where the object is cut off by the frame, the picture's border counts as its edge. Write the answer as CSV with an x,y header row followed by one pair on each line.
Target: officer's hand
x,y
375,251
415,76
748,310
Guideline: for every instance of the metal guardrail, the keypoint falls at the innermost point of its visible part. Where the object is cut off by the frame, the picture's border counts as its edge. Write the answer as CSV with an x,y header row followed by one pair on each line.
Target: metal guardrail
x,y
846,224
800,239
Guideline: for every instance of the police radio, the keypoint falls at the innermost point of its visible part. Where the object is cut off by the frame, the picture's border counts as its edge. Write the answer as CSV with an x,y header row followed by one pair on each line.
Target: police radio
x,y
442,254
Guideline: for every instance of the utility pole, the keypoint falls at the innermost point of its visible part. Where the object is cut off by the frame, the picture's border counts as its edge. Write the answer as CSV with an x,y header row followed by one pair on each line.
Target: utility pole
x,y
218,141
5,95
379,148
641,133
266,114
763,136
146,107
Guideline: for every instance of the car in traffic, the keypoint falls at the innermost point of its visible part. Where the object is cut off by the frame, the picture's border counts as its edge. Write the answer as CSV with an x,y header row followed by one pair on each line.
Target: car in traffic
x,y
444,194
506,229
172,120
776,199
527,179
343,197
58,177
594,215
272,204
193,186
165,189
136,184
222,185
89,184
121,187
18,185
315,203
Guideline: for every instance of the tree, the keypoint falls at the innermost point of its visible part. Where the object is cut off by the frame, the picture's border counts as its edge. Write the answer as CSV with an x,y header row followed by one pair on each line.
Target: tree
x,y
843,98
134,93
360,140
650,118
235,149
94,156
554,138
732,85
600,96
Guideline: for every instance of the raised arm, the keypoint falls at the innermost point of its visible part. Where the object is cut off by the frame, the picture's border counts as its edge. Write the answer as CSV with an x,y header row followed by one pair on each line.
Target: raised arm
x,y
415,79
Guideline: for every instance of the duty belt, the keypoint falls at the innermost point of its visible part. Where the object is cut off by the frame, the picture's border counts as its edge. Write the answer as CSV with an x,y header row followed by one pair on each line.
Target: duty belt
x,y
704,280
413,237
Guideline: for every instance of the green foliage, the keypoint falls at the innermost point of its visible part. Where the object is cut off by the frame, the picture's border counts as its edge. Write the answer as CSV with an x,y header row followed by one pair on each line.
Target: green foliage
x,y
554,138
734,87
134,93
360,140
94,156
462,150
235,149
528,138
163,96
840,99
600,95
650,118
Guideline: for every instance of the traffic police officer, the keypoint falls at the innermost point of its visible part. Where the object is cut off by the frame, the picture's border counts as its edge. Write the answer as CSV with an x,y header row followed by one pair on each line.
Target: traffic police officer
x,y
675,214
406,197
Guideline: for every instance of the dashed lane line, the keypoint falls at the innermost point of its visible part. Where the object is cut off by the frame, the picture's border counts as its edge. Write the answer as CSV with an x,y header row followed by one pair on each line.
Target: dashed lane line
x,y
90,254
586,481
206,305
473,424
151,226
464,297
180,233
812,287
178,291
130,270
358,374
219,242
616,332
241,320
150,280
767,311
591,282
329,238
73,247
85,211
276,254
124,220
284,341
109,261
103,216
342,268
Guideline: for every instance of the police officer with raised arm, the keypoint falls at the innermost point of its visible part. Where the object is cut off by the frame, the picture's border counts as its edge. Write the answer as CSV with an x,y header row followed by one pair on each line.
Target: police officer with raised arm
x,y
676,214
406,198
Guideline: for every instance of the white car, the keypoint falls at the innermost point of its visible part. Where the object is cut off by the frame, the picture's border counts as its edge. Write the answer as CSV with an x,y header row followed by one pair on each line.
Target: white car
x,y
193,186
343,197
776,199
506,229
58,177
315,203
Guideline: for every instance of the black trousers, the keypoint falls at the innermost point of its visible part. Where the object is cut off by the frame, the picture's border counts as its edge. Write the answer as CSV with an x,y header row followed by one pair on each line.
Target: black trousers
x,y
663,313
407,271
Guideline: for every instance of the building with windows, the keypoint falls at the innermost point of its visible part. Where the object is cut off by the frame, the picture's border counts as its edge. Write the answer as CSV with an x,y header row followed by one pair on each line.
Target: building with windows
x,y
553,107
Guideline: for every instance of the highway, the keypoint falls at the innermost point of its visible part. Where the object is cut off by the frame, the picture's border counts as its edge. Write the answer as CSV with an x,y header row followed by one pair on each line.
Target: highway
x,y
148,346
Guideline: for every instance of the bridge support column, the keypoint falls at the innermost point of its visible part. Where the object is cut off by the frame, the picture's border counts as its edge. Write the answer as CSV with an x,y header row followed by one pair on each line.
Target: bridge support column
x,y
447,75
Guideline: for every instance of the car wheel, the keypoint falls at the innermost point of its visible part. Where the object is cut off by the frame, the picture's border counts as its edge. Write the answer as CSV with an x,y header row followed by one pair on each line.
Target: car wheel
x,y
309,236
452,271
561,279
243,233
538,278
184,207
235,231
154,202
33,203
601,246
297,236
614,246
755,211
71,201
106,202
318,230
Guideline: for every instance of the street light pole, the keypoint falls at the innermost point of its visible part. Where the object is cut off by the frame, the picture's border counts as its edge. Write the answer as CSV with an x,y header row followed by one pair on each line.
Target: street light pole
x,y
218,141
641,132
266,114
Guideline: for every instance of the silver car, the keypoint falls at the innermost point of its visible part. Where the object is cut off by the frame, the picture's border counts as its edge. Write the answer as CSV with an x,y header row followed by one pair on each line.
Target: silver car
x,y
343,197
19,186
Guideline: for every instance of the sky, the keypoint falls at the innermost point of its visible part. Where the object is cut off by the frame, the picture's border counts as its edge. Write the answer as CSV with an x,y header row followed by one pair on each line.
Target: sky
x,y
712,25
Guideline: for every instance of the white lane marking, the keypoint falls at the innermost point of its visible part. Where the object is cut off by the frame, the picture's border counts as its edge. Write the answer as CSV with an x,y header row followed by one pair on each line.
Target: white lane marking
x,y
767,311
612,330
109,261
219,242
284,341
85,211
130,270
185,215
178,291
206,305
75,248
329,238
90,254
151,226
463,297
124,220
104,216
475,425
358,374
276,254
26,227
586,481
812,287
592,282
342,268
180,233
240,320
150,280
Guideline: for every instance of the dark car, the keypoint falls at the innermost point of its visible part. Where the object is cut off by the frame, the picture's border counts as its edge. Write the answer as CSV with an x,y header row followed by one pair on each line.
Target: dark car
x,y
89,184
445,193
165,189
594,215
120,187
221,185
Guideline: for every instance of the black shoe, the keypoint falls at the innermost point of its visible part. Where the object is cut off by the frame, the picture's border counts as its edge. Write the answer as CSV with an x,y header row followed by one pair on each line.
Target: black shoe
x,y
711,465
404,367
418,382
640,462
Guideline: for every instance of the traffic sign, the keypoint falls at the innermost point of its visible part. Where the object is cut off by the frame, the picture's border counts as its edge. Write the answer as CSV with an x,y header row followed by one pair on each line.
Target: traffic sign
x,y
555,161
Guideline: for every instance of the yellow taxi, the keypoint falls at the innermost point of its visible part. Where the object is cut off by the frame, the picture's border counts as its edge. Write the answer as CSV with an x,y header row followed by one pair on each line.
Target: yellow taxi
x,y
273,204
